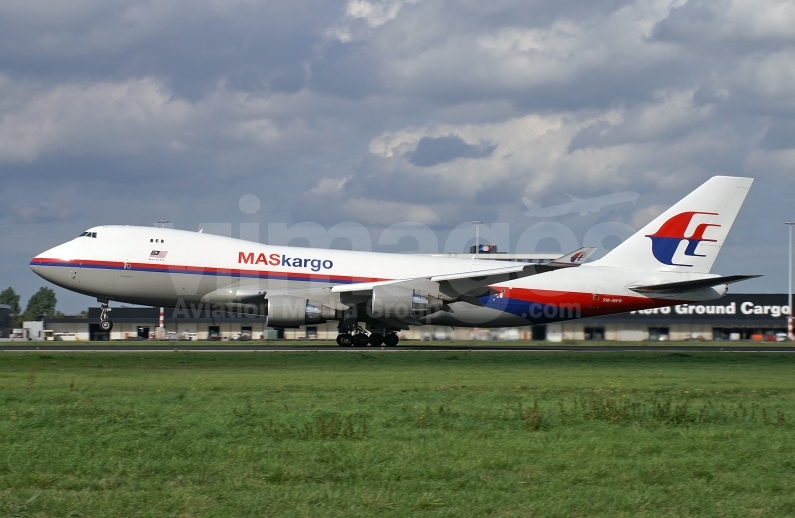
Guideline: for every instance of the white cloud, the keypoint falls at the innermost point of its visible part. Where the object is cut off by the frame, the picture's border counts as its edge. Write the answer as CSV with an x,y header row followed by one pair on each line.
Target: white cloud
x,y
106,117
329,186
755,19
373,13
771,76
536,147
379,212
422,52
673,111
639,218
143,115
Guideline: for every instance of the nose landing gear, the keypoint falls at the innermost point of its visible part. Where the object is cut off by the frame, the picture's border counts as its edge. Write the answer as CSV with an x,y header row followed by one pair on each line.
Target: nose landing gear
x,y
105,323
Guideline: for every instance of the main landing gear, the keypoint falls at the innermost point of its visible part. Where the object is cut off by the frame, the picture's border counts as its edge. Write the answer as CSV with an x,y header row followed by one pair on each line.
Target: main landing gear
x,y
358,337
104,320
391,339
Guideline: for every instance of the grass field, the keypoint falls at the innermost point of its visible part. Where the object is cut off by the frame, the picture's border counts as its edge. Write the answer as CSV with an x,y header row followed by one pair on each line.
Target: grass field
x,y
397,434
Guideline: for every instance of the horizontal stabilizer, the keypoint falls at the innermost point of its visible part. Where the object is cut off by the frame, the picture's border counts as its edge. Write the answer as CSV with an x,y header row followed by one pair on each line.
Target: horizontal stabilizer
x,y
672,288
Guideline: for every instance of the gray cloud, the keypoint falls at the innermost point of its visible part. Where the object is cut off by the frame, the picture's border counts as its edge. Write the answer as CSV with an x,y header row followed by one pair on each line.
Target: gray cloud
x,y
432,151
779,135
381,111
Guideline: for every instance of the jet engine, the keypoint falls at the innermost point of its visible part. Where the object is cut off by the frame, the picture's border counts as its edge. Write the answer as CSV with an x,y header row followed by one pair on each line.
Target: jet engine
x,y
402,302
284,311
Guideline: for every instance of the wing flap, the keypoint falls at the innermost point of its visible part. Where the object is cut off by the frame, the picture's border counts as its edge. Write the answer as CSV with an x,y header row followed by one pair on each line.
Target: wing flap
x,y
366,286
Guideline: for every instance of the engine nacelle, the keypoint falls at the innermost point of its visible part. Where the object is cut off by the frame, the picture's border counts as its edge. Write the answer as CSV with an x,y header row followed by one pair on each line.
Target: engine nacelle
x,y
402,302
295,312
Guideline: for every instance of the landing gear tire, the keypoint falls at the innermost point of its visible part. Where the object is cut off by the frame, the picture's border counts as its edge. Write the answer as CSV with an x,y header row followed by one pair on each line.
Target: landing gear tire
x,y
360,340
376,339
104,320
344,340
391,340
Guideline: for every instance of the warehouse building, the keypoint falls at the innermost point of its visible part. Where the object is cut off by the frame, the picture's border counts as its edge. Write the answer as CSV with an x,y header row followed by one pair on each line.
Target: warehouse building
x,y
5,321
734,317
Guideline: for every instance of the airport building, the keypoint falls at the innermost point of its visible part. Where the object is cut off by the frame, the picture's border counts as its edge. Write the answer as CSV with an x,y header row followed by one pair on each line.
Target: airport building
x,y
5,321
734,317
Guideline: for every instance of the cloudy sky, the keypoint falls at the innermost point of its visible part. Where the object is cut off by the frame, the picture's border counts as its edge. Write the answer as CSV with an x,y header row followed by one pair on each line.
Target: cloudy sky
x,y
379,112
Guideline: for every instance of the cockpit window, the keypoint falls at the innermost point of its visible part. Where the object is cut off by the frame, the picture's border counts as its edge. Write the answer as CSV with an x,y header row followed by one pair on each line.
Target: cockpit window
x,y
88,234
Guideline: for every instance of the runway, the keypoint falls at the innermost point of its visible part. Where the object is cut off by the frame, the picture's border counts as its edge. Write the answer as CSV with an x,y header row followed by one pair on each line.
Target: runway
x,y
212,348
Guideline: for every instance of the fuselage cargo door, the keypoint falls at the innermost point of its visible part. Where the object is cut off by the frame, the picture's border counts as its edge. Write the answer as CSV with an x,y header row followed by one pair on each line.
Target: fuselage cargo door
x,y
125,283
595,301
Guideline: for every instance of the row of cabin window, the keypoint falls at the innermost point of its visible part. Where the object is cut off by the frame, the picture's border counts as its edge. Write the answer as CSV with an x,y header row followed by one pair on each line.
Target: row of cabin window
x,y
94,234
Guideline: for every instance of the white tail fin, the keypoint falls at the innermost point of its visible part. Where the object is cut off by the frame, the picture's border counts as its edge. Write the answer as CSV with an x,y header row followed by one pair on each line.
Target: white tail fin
x,y
688,236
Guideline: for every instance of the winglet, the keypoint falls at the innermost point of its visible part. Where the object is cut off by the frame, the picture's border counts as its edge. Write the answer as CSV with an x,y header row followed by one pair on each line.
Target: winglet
x,y
575,258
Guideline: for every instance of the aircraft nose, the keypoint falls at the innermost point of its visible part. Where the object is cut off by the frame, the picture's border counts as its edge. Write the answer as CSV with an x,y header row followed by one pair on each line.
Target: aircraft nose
x,y
48,262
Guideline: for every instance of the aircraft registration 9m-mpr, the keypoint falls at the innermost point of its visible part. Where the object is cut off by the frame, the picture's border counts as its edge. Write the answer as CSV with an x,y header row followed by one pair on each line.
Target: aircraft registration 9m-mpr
x,y
374,295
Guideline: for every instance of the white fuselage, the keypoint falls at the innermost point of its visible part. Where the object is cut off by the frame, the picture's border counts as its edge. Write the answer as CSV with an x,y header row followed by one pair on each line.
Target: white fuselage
x,y
175,268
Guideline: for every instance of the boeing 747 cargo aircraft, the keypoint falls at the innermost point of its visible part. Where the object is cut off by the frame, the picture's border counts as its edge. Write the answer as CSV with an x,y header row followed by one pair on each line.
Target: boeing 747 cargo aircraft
x,y
374,295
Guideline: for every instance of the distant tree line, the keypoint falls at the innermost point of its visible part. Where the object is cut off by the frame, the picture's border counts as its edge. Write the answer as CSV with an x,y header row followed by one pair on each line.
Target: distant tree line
x,y
41,305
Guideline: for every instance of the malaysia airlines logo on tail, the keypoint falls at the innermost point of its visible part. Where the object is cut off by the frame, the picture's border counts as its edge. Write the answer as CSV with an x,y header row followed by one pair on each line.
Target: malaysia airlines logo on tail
x,y
666,240
575,258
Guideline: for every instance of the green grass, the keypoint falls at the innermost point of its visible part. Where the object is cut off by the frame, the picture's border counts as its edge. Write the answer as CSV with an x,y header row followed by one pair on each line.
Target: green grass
x,y
397,434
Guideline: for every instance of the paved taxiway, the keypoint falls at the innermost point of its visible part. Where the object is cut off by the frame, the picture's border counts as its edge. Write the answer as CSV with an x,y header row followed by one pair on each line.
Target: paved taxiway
x,y
39,347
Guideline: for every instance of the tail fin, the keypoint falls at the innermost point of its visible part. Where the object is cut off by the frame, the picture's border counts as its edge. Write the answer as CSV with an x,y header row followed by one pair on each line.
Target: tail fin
x,y
688,236
575,258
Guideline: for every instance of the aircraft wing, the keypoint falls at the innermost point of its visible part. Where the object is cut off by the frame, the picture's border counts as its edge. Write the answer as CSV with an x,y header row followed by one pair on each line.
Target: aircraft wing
x,y
452,286
435,291
471,284
674,288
